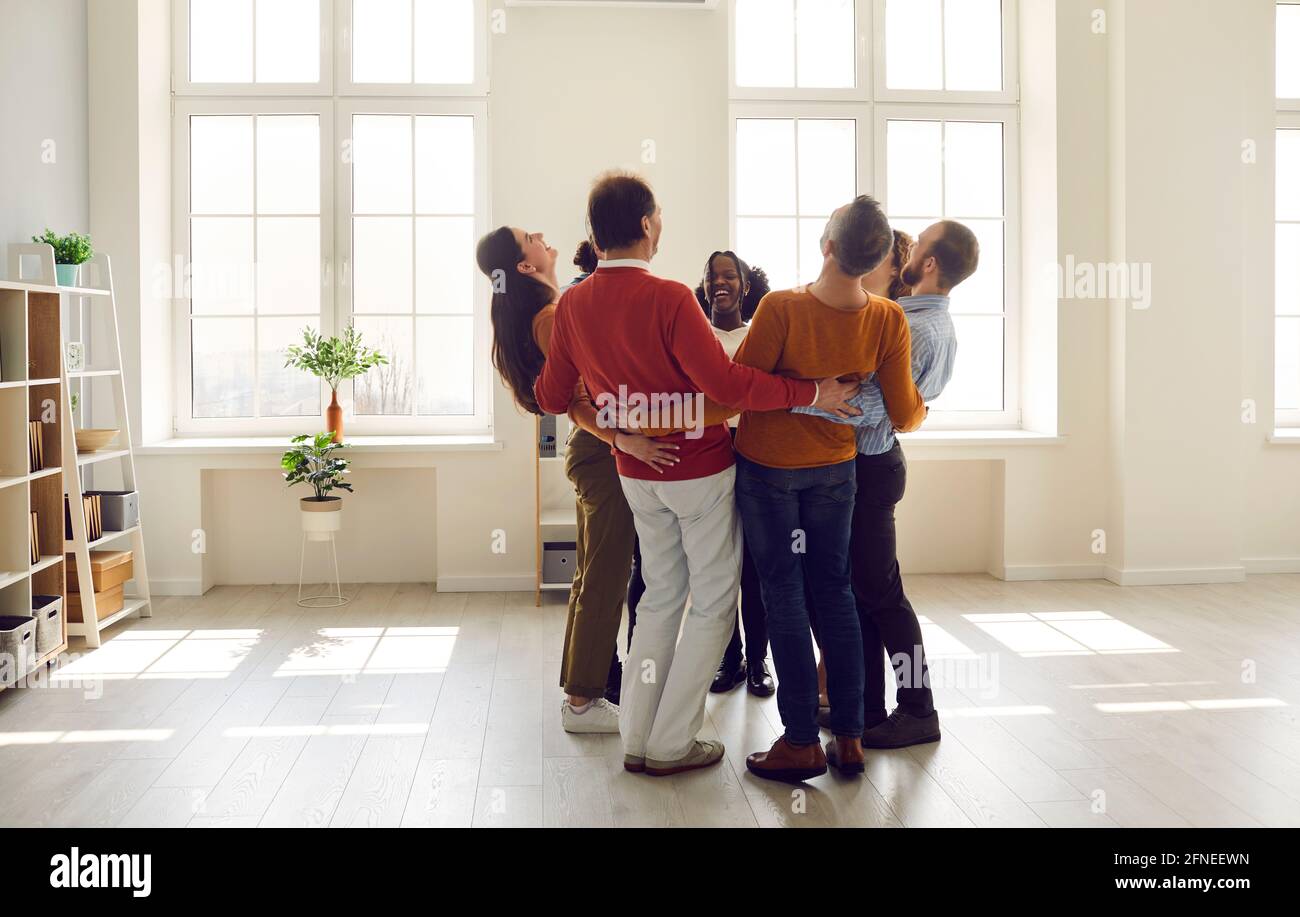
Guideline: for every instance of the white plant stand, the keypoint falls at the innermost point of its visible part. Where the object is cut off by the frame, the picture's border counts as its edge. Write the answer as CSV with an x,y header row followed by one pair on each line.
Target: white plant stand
x,y
325,600
97,294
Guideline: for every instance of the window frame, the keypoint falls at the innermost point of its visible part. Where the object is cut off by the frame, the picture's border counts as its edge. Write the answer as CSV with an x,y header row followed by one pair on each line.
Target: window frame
x,y
182,85
806,110
1009,418
1008,95
871,105
373,424
859,92
1283,419
1283,104
334,101
185,423
343,55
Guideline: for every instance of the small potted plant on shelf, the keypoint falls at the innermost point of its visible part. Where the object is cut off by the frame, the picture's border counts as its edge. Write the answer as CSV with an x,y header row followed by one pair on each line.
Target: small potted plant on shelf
x,y
312,461
335,360
70,252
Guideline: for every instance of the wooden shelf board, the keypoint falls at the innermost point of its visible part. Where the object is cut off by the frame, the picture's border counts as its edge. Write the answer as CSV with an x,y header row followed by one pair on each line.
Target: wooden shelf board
x,y
49,560
43,381
9,577
93,373
90,458
9,480
129,607
20,383
45,472
556,586
49,657
70,546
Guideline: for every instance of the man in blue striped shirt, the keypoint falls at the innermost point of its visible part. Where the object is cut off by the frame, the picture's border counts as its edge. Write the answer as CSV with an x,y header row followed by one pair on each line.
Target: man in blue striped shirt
x,y
945,255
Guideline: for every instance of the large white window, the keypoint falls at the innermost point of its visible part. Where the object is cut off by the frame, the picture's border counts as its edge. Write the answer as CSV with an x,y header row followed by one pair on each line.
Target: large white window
x,y
927,123
300,205
1287,216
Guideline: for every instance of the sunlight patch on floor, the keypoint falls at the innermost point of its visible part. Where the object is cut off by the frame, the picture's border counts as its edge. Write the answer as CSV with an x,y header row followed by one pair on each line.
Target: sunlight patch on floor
x,y
1066,633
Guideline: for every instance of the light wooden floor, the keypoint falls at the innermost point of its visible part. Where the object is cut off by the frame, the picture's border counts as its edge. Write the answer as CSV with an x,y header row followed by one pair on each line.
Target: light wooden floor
x,y
1062,704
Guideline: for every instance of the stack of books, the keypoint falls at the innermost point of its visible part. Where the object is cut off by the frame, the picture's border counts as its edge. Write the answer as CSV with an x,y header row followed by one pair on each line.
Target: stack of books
x,y
35,445
92,506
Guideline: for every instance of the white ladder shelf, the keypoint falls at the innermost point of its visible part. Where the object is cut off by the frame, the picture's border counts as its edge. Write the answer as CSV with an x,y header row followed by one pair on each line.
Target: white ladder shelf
x,y
100,295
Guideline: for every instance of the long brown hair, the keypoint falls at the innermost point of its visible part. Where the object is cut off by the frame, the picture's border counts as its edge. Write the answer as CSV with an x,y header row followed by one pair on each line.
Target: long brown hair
x,y
902,253
516,300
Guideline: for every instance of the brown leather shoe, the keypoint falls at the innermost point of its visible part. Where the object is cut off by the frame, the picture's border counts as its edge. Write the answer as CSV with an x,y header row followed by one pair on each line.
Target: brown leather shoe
x,y
788,763
845,754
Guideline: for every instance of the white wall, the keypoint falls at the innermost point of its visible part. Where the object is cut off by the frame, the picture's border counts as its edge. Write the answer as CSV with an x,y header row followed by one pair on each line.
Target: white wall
x,y
1117,163
43,171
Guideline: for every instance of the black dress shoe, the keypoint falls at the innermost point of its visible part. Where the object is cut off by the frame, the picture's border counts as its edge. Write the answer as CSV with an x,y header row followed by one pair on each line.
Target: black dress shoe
x,y
760,683
902,730
727,678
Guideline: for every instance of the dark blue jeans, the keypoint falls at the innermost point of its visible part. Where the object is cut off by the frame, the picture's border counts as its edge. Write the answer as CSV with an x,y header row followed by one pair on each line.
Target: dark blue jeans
x,y
799,519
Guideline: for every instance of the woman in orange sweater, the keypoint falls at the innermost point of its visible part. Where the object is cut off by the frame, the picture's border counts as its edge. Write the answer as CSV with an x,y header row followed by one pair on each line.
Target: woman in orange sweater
x,y
796,483
521,267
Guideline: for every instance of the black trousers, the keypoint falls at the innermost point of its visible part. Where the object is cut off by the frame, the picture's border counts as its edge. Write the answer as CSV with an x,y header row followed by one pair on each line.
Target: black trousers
x,y
754,616
889,626
635,589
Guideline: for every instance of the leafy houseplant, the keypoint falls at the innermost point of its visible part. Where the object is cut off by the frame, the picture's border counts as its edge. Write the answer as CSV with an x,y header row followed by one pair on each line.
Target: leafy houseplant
x,y
335,360
313,461
70,251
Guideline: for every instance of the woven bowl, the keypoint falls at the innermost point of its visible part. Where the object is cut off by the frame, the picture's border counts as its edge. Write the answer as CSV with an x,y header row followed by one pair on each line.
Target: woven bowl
x,y
94,440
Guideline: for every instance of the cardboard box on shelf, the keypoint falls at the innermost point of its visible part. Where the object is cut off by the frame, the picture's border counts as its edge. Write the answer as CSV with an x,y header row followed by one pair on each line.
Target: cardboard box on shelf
x,y
107,569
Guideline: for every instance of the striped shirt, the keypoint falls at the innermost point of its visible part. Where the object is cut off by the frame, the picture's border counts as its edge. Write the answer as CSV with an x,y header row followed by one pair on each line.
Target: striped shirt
x,y
934,351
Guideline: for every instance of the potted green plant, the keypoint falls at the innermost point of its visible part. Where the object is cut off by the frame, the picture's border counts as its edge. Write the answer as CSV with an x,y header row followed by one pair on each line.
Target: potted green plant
x,y
70,252
334,359
312,461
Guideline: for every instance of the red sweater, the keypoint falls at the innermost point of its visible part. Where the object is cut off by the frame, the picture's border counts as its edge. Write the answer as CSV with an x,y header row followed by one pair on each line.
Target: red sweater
x,y
625,327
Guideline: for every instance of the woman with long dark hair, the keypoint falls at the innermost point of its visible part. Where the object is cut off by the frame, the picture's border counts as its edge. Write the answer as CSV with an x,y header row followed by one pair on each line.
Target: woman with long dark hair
x,y
521,267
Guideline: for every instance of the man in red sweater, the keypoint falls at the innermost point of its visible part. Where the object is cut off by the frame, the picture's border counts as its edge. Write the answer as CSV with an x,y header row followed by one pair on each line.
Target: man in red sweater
x,y
639,341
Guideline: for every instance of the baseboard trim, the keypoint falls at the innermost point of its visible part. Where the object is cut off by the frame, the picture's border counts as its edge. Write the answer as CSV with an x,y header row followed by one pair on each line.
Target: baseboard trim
x,y
175,587
522,582
1175,576
1021,573
1263,565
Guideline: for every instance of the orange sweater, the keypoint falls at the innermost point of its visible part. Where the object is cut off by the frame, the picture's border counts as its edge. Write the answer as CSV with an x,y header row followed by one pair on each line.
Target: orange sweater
x,y
796,335
581,410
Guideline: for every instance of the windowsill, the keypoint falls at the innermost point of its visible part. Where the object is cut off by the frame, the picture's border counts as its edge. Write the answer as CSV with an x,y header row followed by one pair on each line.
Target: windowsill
x,y
1285,436
243,445
252,445
980,438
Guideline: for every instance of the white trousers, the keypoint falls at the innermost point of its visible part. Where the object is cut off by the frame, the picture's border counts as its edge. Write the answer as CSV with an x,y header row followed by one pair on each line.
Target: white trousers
x,y
690,546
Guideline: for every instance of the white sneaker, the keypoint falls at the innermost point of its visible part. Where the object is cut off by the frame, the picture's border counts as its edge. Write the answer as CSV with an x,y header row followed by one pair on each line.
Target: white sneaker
x,y
600,717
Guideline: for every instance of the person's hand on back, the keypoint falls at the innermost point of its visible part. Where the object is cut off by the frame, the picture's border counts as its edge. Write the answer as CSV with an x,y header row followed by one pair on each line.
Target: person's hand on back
x,y
833,396
658,455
